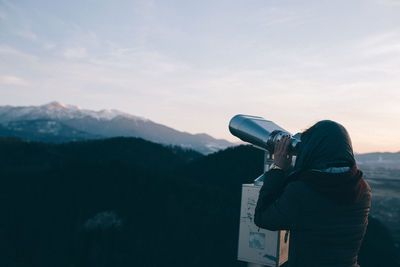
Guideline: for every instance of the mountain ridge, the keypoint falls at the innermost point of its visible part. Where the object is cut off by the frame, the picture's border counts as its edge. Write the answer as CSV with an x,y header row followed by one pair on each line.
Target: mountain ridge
x,y
58,122
57,110
85,124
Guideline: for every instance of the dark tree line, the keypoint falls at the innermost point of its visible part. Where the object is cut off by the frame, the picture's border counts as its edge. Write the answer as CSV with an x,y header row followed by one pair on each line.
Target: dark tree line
x,y
122,202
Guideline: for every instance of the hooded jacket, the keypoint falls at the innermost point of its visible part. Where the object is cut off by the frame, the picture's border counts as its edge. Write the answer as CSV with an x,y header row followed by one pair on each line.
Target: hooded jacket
x,y
324,201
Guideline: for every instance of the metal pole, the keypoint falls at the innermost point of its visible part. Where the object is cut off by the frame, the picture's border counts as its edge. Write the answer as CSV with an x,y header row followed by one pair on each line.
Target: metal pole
x,y
267,163
268,160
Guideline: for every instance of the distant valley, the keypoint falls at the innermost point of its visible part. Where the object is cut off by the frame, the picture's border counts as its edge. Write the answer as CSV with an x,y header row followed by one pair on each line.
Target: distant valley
x,y
379,160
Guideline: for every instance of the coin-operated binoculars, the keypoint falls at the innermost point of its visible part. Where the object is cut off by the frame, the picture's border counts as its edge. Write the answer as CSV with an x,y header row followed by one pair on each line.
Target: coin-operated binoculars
x,y
260,247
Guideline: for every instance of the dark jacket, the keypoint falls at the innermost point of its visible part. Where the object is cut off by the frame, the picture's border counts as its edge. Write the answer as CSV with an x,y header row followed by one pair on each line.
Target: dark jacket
x,y
322,233
326,227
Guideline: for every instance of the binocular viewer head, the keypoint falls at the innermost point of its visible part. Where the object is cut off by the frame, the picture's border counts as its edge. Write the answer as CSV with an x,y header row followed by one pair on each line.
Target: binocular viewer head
x,y
261,133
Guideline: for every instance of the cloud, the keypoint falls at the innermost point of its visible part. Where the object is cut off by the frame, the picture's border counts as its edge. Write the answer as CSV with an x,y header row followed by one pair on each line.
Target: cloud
x,y
381,44
8,51
27,34
75,53
11,80
391,3
49,46
2,15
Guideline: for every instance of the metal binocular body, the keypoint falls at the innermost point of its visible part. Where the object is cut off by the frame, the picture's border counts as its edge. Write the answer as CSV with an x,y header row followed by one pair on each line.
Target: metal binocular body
x,y
261,133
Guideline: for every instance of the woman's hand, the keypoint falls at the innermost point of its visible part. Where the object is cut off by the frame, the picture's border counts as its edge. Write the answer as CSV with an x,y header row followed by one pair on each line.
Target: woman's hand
x,y
282,157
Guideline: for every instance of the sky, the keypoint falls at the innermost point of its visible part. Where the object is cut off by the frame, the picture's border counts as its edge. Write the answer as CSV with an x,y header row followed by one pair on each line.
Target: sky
x,y
193,65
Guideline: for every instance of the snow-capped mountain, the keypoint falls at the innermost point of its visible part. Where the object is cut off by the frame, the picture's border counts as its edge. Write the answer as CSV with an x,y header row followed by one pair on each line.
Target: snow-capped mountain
x,y
57,111
56,122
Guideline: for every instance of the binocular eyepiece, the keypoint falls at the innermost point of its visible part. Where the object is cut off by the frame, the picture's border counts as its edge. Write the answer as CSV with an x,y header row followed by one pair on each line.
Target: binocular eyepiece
x,y
277,135
261,133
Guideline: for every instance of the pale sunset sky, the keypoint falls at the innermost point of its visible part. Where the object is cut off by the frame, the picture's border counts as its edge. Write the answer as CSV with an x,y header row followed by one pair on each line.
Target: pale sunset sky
x,y
192,65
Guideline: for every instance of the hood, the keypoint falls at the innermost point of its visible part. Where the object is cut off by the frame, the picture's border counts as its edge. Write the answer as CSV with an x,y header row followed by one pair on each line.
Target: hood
x,y
326,144
325,162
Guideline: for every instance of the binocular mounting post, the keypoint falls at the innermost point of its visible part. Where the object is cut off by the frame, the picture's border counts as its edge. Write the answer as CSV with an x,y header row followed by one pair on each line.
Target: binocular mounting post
x,y
268,160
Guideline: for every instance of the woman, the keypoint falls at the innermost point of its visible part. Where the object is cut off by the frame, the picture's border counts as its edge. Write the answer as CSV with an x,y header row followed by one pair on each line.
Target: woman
x,y
324,201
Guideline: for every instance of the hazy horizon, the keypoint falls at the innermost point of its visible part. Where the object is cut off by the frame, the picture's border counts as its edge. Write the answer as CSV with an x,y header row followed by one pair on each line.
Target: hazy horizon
x,y
194,65
235,140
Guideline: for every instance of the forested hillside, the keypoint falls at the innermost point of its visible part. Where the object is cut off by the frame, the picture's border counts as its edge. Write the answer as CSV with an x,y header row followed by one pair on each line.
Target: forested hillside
x,y
125,202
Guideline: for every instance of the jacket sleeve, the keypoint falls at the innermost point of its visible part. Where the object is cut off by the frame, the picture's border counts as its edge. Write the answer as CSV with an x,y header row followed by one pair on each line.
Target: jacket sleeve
x,y
277,206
